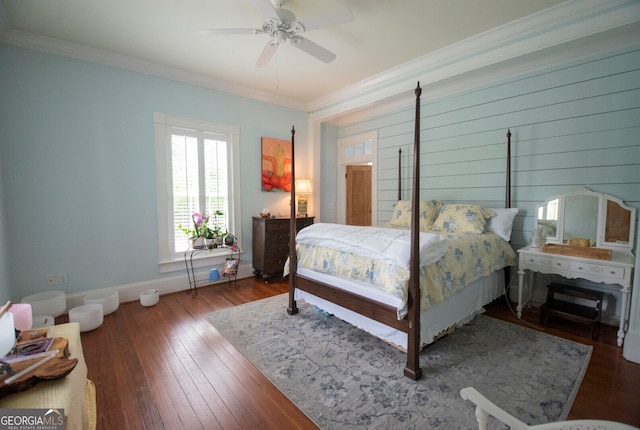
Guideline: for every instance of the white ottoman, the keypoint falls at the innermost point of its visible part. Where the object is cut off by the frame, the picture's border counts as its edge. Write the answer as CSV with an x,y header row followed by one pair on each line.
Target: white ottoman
x,y
88,316
52,303
109,300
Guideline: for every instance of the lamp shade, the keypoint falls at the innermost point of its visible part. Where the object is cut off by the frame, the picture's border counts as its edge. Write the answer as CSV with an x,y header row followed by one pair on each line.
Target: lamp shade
x,y
303,186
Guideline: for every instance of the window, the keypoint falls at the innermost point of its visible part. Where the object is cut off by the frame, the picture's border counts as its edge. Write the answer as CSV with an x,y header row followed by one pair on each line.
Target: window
x,y
195,173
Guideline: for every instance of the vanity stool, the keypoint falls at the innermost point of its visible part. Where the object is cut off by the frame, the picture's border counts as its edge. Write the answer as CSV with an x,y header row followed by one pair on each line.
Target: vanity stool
x,y
572,311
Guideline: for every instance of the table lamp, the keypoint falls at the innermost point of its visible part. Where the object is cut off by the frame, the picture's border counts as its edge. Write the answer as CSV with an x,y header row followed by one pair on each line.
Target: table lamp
x,y
303,189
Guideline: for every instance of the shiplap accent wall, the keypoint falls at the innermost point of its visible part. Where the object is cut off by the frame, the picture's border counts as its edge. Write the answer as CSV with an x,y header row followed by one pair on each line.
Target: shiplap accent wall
x,y
573,125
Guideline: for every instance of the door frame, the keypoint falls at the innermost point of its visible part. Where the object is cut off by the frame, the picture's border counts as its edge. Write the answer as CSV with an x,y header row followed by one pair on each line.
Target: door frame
x,y
343,161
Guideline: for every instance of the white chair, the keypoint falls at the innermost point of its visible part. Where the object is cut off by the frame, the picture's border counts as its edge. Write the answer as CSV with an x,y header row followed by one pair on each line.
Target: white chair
x,y
484,408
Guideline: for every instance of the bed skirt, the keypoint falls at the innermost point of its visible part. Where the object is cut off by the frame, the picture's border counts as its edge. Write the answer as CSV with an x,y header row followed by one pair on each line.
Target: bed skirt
x,y
456,310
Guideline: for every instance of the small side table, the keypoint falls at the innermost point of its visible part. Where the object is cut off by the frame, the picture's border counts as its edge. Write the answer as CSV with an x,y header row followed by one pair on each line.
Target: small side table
x,y
190,253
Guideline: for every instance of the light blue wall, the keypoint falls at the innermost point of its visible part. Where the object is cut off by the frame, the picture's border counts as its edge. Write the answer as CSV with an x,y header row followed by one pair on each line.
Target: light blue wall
x,y
78,167
572,126
329,172
5,290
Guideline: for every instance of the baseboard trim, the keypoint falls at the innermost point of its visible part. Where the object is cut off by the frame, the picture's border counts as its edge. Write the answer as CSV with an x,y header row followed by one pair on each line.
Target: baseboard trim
x,y
174,284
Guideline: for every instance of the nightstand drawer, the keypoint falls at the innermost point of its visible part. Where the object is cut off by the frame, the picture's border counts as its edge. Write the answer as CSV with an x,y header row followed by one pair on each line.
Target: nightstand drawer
x,y
545,261
598,269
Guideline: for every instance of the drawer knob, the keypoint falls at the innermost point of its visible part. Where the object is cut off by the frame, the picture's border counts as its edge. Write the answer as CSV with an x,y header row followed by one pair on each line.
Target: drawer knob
x,y
580,268
558,264
612,272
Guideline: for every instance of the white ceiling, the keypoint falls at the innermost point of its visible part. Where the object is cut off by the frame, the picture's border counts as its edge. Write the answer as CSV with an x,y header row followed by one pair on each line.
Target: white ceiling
x,y
383,35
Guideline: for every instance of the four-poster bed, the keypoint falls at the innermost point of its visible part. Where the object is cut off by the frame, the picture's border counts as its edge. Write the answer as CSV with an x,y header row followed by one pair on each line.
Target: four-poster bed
x,y
394,313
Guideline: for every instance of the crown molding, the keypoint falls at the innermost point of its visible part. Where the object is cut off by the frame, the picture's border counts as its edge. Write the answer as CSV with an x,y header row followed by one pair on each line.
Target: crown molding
x,y
82,52
548,29
553,27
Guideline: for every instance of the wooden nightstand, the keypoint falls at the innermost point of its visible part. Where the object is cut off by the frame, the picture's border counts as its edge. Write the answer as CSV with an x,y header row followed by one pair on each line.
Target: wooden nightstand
x,y
271,244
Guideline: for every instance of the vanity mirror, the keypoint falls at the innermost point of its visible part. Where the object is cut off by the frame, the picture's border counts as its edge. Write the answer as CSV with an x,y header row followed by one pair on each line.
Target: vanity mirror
x,y
603,220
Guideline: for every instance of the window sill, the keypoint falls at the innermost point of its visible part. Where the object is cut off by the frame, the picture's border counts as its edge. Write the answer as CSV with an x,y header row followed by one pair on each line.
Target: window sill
x,y
199,258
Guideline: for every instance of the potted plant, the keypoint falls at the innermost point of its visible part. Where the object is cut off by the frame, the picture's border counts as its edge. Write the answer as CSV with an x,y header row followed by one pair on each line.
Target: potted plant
x,y
229,239
213,234
198,233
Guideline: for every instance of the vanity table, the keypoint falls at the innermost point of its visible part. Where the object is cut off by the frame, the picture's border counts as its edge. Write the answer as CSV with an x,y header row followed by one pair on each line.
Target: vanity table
x,y
603,226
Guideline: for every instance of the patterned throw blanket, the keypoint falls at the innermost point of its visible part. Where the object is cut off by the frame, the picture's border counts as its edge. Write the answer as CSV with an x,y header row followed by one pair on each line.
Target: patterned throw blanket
x,y
380,257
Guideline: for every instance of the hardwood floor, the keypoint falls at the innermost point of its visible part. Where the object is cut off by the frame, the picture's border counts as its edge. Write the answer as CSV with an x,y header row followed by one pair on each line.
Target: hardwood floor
x,y
165,367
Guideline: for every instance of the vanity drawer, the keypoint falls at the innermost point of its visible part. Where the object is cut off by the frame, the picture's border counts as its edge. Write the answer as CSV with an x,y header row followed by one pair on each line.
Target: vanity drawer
x,y
598,269
546,262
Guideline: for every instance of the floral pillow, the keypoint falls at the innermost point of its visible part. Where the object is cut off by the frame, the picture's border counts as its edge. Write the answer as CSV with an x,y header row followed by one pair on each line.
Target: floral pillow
x,y
463,218
401,217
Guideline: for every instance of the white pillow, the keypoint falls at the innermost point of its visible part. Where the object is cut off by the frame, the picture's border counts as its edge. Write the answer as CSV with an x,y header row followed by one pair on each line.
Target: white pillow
x,y
502,223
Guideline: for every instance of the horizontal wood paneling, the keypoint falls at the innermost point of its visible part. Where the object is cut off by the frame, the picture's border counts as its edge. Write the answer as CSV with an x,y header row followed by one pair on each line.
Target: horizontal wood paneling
x,y
575,125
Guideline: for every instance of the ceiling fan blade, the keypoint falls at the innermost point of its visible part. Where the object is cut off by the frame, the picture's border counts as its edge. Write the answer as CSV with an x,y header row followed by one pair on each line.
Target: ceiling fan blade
x,y
329,19
266,9
313,49
222,31
267,54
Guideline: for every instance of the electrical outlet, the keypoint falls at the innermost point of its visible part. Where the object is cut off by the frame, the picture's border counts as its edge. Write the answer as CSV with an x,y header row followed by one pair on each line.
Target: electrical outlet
x,y
62,278
51,280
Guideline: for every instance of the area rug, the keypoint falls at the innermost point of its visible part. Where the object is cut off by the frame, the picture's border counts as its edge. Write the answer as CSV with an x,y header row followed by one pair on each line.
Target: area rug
x,y
341,377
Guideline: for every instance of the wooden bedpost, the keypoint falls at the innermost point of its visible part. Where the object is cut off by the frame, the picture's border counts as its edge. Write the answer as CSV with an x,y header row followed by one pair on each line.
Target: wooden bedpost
x,y
507,198
293,260
399,174
412,369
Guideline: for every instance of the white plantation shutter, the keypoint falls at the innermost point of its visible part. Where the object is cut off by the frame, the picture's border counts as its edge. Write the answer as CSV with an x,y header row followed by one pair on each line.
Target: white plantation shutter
x,y
186,185
200,179
216,178
197,165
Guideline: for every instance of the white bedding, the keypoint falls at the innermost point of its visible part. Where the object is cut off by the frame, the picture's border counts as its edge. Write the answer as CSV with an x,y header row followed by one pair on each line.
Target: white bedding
x,y
388,245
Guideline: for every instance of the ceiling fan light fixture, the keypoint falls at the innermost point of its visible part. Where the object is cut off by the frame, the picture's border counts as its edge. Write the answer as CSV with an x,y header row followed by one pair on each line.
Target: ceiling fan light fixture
x,y
281,24
280,36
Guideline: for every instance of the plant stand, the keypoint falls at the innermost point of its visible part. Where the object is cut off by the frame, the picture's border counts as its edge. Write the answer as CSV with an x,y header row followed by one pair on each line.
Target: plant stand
x,y
230,270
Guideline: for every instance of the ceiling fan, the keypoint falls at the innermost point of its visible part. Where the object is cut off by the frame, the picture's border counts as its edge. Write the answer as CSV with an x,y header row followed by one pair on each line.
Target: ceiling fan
x,y
282,25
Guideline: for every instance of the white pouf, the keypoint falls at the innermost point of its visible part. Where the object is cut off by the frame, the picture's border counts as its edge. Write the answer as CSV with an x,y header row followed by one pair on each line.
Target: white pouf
x,y
42,322
88,316
110,300
52,303
149,297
